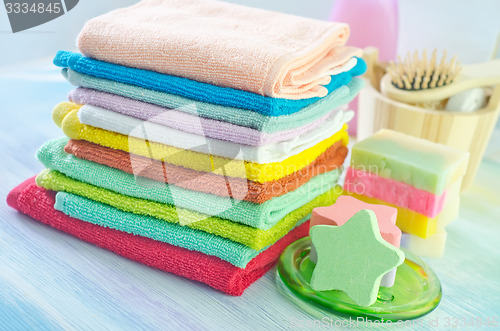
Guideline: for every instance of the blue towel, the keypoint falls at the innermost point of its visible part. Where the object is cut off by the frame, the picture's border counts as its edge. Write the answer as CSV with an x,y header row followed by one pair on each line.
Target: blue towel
x,y
196,90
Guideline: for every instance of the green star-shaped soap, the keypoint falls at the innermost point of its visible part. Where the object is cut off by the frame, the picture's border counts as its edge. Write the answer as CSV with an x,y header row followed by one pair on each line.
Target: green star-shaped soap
x,y
353,257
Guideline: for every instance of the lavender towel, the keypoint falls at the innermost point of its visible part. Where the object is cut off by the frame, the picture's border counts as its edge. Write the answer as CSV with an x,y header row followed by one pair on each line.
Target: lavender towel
x,y
187,122
248,118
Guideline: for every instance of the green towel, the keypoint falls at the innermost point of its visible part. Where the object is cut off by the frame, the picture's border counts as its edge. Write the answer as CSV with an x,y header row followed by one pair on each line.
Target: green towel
x,y
262,216
150,227
252,119
244,234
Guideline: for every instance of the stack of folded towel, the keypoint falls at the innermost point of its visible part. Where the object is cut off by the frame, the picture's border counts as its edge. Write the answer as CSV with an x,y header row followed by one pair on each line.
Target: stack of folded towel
x,y
201,136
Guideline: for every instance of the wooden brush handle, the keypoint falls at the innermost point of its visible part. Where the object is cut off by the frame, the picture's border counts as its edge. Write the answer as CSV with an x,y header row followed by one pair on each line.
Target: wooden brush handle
x,y
480,74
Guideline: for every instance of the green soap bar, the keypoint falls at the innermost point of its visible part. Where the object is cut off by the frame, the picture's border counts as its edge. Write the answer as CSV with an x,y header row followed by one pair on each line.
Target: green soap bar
x,y
353,257
423,164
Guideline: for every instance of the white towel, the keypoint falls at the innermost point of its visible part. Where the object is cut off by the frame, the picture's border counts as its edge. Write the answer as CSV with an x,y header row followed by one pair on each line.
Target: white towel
x,y
274,152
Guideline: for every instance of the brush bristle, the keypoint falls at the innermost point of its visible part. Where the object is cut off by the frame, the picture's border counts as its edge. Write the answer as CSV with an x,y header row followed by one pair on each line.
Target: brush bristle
x,y
420,73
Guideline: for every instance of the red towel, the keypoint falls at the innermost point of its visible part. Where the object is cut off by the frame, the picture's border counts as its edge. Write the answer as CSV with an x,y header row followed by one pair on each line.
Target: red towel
x,y
39,204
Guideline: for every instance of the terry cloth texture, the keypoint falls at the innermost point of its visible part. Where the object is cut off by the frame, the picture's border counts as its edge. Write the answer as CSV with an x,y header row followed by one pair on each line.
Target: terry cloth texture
x,y
238,116
184,121
182,236
274,152
224,44
189,179
67,119
38,203
263,216
246,235
196,91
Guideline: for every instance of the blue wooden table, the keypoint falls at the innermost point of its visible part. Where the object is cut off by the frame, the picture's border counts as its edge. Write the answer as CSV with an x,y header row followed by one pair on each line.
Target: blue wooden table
x,y
50,280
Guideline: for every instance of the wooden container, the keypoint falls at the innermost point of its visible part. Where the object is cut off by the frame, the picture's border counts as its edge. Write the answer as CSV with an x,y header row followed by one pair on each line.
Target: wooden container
x,y
466,131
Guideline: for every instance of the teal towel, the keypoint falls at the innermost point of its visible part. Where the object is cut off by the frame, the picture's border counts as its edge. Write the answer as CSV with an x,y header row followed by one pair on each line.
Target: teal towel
x,y
150,227
262,216
198,91
251,119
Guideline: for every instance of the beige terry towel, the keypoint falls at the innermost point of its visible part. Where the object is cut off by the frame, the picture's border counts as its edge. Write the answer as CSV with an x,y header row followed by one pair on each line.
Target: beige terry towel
x,y
223,44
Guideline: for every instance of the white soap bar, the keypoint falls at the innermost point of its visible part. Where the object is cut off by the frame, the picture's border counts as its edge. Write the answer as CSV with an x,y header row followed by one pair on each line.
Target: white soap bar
x,y
430,247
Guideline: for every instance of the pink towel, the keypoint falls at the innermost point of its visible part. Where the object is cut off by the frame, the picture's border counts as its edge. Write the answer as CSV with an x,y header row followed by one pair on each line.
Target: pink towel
x,y
38,203
264,52
190,123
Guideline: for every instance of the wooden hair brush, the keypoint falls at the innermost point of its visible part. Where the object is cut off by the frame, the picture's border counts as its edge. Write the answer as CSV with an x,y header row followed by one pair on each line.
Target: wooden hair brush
x,y
419,80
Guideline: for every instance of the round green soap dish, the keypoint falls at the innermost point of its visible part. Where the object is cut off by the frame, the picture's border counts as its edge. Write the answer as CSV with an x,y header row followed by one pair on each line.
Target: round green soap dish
x,y
416,292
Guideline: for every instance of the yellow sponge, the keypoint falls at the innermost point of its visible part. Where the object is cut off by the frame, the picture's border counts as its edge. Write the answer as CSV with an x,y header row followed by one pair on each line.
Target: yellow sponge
x,y
408,220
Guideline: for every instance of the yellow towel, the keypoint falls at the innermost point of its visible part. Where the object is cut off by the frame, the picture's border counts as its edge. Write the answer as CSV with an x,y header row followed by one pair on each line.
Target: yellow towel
x,y
65,116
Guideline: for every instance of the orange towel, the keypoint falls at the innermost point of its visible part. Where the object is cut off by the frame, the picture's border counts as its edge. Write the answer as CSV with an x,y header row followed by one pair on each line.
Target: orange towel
x,y
332,158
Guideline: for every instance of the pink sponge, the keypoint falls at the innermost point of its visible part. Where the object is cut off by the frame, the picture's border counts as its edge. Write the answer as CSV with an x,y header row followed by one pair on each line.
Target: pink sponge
x,y
346,207
394,192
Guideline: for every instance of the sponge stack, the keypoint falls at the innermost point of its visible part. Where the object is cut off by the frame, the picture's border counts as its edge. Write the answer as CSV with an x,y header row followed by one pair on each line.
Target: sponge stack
x,y
346,207
418,177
